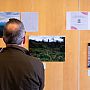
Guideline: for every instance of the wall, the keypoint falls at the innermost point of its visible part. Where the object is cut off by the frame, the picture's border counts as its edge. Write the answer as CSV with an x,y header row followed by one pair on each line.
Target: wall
x,y
85,38
68,75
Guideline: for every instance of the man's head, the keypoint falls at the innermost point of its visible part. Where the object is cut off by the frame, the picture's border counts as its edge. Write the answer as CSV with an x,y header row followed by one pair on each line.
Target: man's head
x,y
14,32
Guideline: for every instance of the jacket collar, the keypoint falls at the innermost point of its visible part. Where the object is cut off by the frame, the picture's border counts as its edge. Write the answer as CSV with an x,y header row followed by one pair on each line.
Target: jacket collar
x,y
19,48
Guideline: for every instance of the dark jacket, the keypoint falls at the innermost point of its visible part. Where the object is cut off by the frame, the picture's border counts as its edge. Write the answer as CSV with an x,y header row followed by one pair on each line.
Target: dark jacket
x,y
19,70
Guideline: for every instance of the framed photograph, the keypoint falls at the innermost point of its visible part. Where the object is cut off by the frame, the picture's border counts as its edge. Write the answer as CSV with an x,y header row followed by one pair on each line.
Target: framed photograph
x,y
89,55
4,17
48,48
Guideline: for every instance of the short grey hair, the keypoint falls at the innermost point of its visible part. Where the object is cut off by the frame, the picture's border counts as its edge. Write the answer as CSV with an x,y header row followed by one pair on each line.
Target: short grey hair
x,y
14,37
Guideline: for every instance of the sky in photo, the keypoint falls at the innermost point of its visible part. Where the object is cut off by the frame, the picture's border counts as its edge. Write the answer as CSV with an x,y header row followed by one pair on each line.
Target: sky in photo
x,y
46,38
5,16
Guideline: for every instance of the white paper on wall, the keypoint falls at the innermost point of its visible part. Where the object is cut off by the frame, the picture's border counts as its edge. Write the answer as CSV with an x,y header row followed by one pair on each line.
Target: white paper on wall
x,y
30,21
77,20
88,20
88,72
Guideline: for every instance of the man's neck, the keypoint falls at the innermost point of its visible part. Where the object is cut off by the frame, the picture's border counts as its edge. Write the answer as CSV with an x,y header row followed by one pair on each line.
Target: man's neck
x,y
21,45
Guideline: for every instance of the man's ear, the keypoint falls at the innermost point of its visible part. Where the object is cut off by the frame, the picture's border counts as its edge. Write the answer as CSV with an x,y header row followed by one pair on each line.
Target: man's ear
x,y
4,39
24,40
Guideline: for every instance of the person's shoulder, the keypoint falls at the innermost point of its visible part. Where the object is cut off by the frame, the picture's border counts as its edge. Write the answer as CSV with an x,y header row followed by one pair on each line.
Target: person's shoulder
x,y
37,65
35,60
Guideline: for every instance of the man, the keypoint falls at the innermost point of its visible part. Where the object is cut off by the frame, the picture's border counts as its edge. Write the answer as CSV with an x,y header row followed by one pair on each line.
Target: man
x,y
18,70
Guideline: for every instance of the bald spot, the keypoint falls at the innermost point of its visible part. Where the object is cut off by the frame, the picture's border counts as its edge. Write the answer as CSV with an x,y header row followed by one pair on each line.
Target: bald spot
x,y
12,27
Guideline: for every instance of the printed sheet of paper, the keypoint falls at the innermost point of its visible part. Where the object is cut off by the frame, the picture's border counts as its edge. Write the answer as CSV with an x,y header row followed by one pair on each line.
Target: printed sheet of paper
x,y
77,20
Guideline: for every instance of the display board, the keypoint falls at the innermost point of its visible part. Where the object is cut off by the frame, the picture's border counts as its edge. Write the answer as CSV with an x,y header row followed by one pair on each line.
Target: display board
x,y
58,75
